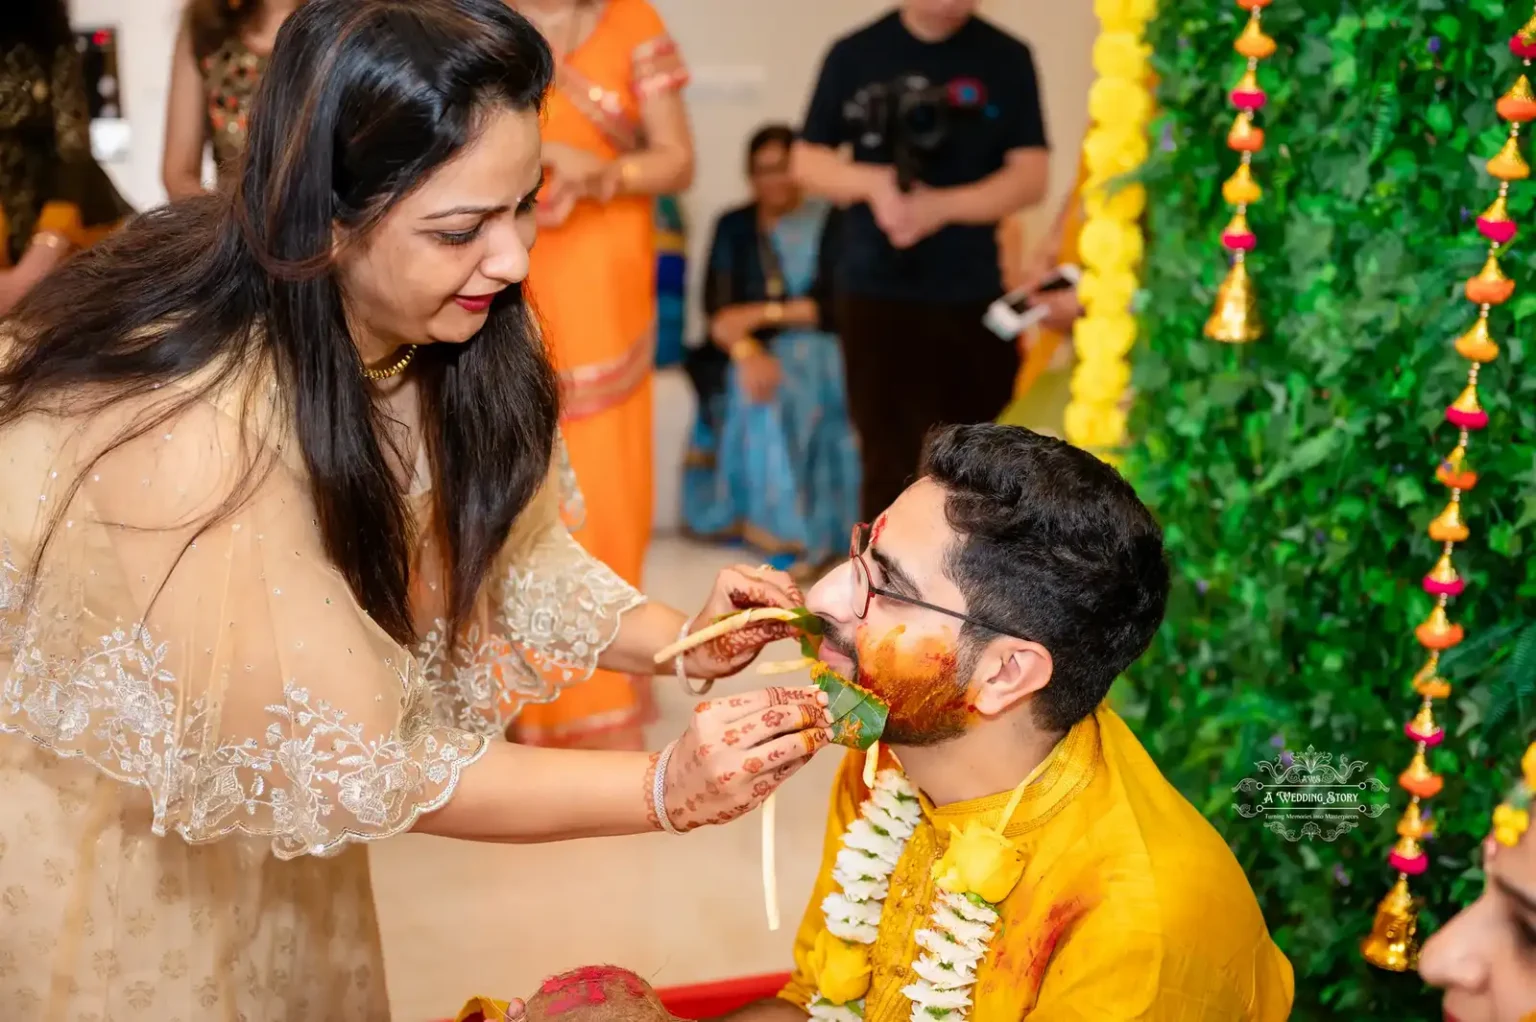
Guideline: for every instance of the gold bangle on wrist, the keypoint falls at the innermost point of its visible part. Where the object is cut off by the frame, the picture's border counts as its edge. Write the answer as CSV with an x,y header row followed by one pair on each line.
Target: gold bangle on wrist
x,y
627,174
51,239
744,349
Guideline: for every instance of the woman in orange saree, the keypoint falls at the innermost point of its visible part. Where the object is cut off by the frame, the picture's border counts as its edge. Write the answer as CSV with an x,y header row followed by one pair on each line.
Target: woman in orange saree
x,y
615,137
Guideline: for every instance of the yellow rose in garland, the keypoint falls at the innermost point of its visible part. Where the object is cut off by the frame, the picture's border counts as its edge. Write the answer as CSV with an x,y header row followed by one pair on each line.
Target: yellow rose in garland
x,y
841,970
979,861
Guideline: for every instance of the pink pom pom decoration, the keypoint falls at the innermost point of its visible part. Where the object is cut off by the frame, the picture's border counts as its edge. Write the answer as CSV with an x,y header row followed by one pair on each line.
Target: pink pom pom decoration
x,y
1413,867
1500,232
1466,420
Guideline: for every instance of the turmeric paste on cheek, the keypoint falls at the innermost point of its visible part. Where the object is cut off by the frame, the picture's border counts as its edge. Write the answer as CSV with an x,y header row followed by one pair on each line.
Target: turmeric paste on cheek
x,y
917,679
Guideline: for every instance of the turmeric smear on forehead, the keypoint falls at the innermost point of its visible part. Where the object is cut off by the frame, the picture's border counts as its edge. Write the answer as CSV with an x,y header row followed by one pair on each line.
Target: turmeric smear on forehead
x,y
916,676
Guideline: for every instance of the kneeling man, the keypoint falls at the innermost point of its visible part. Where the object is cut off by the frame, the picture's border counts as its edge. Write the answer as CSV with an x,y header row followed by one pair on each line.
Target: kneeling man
x,y
1019,856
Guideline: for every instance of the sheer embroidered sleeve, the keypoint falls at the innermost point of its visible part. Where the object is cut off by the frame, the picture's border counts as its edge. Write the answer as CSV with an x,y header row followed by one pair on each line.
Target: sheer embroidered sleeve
x,y
185,633
657,63
552,610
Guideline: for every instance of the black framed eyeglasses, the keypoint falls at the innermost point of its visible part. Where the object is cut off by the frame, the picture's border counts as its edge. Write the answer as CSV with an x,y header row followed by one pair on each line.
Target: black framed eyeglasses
x,y
864,588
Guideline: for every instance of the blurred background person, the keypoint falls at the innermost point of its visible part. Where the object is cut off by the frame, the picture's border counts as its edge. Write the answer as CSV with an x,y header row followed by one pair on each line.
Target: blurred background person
x,y
920,264
53,197
220,55
772,459
616,136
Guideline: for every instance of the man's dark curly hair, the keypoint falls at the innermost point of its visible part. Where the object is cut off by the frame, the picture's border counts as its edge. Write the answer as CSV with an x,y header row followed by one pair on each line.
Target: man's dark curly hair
x,y
1054,546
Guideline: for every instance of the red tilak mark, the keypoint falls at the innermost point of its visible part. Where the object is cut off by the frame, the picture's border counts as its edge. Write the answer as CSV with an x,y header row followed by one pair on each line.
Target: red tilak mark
x,y
875,533
588,987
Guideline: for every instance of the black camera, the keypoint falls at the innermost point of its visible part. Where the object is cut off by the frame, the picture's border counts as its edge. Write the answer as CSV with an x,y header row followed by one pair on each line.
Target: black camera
x,y
909,119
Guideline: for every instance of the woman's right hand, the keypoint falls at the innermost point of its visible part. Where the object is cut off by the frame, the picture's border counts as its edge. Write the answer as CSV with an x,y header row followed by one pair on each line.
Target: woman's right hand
x,y
760,375
738,749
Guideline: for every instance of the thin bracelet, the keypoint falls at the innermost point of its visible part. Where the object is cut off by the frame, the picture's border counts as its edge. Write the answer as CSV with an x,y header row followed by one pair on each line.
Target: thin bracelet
x,y
50,239
659,790
682,673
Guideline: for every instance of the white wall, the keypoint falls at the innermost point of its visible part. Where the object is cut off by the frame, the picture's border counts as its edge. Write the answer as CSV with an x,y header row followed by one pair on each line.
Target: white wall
x,y
147,35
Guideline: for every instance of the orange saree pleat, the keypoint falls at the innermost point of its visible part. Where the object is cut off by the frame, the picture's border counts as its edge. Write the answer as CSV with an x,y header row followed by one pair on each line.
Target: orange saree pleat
x,y
593,282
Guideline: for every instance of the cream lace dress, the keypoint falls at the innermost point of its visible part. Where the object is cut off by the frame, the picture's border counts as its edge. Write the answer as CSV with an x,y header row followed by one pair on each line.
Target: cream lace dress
x,y
188,776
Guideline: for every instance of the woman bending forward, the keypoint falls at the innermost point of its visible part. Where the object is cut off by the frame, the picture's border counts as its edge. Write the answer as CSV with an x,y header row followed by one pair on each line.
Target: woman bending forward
x,y
283,544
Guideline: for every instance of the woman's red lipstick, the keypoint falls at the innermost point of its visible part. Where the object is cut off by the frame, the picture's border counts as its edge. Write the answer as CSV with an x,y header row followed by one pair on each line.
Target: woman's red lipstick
x,y
475,303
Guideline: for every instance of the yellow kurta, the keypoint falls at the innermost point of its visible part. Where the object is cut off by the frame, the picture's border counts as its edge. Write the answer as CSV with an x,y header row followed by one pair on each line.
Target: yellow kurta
x,y
1131,906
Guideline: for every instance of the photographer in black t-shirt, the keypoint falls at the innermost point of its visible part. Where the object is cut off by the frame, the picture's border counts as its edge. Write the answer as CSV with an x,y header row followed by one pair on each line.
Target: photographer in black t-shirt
x,y
942,111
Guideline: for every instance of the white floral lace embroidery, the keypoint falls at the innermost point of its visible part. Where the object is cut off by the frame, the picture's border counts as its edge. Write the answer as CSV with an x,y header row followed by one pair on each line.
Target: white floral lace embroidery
x,y
552,617
303,783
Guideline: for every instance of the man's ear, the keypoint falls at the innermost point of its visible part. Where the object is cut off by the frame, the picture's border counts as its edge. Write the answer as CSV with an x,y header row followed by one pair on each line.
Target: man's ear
x,y
1010,671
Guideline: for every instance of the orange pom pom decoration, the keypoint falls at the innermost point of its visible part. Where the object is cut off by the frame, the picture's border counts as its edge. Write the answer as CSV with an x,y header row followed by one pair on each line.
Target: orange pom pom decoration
x,y
1490,286
1518,104
1438,633
1245,137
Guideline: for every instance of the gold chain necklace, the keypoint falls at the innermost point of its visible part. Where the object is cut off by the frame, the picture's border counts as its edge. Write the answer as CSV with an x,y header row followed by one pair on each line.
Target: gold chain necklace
x,y
392,370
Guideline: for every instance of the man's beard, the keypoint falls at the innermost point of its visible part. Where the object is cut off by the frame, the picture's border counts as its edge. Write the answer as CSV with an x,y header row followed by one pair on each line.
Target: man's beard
x,y
925,687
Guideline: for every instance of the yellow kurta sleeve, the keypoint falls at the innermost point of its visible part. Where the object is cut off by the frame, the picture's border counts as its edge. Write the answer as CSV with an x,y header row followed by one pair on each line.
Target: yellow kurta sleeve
x,y
222,666
847,793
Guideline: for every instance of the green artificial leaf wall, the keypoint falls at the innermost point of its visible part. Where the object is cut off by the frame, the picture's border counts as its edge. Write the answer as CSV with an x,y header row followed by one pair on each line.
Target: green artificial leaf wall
x,y
1294,476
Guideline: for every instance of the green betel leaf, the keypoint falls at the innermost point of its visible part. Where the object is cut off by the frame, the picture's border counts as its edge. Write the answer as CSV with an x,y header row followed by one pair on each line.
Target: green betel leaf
x,y
858,716
811,628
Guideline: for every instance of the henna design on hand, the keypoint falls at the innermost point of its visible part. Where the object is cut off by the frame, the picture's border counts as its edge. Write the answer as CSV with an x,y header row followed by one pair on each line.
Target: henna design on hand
x,y
753,766
650,792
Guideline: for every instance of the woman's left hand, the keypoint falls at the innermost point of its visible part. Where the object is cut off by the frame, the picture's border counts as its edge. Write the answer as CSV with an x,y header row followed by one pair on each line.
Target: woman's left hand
x,y
737,589
582,172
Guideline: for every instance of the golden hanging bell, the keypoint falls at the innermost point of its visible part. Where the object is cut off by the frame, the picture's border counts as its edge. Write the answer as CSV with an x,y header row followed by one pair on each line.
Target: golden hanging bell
x,y
1448,526
1477,344
1391,944
1508,164
1253,43
1527,31
1238,225
1520,92
1235,320
1497,212
1444,572
1424,728
1244,137
1248,83
1466,411
1412,824
1428,683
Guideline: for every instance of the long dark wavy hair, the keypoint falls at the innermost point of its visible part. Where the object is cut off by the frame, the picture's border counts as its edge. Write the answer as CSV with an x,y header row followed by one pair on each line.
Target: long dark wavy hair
x,y
362,100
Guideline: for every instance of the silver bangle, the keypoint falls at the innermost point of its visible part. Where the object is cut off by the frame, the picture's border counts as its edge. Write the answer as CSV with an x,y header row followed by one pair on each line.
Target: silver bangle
x,y
682,673
659,790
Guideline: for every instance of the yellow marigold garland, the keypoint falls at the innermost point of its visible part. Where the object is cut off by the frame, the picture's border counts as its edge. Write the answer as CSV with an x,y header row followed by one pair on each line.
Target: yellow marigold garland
x,y
1392,943
1120,106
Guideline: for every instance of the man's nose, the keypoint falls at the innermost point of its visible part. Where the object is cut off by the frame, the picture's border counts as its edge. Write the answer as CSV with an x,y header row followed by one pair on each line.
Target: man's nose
x,y
829,598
